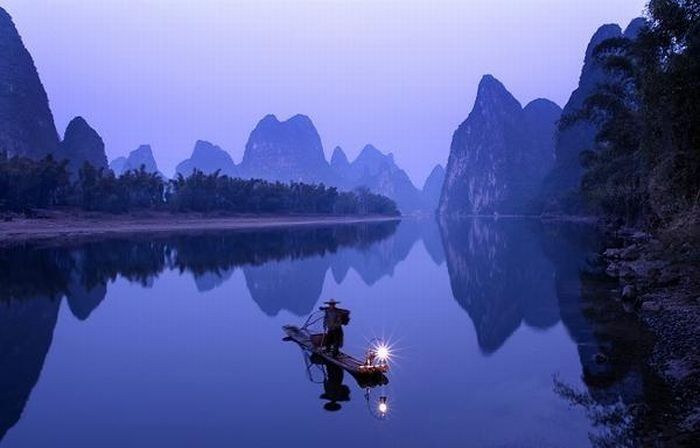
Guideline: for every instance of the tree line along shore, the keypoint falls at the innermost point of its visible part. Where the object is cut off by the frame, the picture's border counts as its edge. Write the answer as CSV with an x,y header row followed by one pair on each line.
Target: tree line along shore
x,y
27,184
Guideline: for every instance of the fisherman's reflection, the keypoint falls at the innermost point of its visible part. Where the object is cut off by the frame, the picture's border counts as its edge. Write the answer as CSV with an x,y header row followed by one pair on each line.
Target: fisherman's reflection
x,y
334,391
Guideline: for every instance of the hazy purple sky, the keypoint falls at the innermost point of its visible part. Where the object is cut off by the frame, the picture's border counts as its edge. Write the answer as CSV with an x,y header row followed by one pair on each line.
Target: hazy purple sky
x,y
398,74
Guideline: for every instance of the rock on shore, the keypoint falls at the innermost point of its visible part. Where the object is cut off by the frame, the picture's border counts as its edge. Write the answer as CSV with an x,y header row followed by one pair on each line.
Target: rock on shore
x,y
664,285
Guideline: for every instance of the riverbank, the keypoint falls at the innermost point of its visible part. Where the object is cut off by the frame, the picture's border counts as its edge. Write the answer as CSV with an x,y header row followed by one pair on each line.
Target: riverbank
x,y
659,279
63,226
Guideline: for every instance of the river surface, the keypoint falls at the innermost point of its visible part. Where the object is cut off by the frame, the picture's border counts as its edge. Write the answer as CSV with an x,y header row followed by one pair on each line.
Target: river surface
x,y
177,341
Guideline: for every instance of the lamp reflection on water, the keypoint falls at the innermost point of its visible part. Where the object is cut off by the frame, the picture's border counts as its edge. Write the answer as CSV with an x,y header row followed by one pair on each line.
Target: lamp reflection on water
x,y
379,355
383,407
378,405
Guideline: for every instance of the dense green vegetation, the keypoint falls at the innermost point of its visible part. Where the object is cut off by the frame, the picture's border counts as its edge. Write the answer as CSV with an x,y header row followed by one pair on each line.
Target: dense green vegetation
x,y
645,166
26,184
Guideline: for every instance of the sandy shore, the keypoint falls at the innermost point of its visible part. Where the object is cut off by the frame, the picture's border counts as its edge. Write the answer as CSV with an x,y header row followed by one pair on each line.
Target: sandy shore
x,y
67,227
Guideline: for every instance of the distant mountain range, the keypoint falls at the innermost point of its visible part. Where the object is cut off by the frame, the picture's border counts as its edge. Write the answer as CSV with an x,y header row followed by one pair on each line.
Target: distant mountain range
x,y
208,158
504,158
291,151
285,151
380,173
140,157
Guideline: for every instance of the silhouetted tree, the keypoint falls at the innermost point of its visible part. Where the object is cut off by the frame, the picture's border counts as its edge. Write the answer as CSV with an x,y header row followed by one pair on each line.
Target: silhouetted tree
x,y
209,192
645,166
26,183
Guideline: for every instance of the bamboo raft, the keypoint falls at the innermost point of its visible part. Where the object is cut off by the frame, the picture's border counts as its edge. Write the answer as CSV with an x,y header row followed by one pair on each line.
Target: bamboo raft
x,y
369,375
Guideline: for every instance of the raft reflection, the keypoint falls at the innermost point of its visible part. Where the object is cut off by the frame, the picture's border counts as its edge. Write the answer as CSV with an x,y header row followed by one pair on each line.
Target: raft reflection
x,y
335,392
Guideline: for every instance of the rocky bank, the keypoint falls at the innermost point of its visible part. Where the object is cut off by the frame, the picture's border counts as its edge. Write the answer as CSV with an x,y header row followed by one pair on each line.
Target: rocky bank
x,y
659,280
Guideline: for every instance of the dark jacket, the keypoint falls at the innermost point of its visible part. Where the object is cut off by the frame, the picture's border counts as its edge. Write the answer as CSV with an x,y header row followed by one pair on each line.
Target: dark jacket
x,y
333,318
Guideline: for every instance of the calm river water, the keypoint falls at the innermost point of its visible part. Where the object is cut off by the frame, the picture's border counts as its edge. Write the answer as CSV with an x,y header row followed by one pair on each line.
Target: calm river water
x,y
177,341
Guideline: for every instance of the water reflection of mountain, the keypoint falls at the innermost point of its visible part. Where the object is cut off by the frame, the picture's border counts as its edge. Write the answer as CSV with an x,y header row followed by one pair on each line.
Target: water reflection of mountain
x,y
508,272
295,285
26,330
81,273
382,259
284,269
31,286
504,273
500,276
626,401
571,249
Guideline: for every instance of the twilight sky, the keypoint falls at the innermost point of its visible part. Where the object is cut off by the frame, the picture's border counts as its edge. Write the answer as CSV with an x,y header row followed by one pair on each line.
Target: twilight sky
x,y
400,74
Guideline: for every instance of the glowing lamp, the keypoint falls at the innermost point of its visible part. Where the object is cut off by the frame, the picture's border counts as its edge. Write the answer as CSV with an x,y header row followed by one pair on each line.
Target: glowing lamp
x,y
383,353
383,406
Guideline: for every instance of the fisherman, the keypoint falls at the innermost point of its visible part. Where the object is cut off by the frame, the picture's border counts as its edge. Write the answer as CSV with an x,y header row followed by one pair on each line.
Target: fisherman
x,y
333,322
